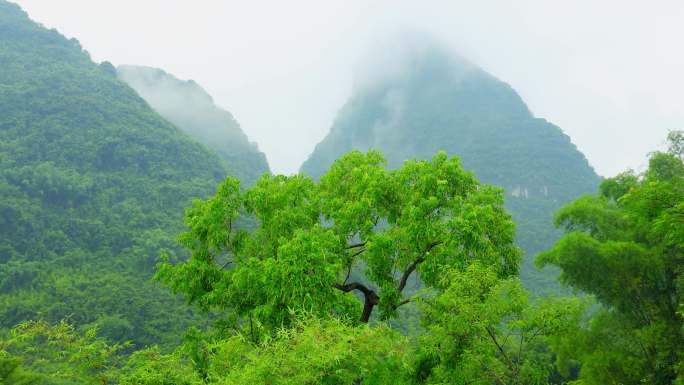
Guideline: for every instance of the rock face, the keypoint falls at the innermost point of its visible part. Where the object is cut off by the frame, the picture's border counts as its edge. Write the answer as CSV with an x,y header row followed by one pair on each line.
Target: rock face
x,y
433,102
93,184
192,109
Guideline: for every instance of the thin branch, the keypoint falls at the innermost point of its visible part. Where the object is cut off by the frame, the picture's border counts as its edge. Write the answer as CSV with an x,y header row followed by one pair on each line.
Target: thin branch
x,y
508,335
351,263
351,258
407,273
412,267
348,274
536,333
509,363
361,244
402,303
516,372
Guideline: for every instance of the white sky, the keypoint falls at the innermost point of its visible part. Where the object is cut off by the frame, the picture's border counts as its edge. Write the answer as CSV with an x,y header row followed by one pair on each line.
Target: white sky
x,y
609,73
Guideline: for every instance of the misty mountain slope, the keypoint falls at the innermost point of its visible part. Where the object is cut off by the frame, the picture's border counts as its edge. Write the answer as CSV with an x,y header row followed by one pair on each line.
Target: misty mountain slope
x,y
433,102
93,184
192,109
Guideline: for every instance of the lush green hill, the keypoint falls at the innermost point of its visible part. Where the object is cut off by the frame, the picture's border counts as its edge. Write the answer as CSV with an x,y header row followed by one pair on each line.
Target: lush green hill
x,y
436,102
93,184
191,108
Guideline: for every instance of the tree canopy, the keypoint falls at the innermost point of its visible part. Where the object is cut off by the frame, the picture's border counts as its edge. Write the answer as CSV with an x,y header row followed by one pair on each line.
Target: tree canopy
x,y
294,270
363,230
375,272
625,246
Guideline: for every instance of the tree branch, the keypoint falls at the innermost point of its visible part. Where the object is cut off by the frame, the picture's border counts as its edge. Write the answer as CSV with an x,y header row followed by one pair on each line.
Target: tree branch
x,y
407,273
509,363
402,303
412,267
369,296
354,286
356,254
348,274
356,245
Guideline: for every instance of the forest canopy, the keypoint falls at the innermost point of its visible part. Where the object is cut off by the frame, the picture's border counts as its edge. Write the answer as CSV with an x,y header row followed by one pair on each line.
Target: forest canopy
x,y
292,271
361,230
128,255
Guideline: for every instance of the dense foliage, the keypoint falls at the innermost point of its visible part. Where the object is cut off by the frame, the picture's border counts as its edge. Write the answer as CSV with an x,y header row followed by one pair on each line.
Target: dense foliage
x,y
377,272
626,247
434,102
92,187
360,218
190,108
298,290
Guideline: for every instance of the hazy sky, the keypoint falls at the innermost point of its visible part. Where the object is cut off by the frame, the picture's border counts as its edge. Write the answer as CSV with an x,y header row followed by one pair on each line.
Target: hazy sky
x,y
609,73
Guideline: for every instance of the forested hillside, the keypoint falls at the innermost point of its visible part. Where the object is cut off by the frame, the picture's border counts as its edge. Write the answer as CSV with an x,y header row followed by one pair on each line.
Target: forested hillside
x,y
431,101
192,109
93,184
137,252
290,313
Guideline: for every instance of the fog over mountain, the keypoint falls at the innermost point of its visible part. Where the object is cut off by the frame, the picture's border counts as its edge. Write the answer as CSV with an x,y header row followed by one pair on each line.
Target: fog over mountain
x,y
192,109
440,223
604,71
93,186
426,100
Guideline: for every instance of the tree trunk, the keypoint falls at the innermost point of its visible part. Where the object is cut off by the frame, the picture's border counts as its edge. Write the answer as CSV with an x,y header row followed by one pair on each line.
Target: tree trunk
x,y
370,300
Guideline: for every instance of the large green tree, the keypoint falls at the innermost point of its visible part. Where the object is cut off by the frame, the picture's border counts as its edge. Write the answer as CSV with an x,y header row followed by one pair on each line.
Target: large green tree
x,y
299,268
362,232
625,246
482,330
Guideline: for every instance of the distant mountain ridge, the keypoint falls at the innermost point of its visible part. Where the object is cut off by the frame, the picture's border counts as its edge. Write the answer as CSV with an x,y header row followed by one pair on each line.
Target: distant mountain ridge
x,y
192,109
93,186
439,102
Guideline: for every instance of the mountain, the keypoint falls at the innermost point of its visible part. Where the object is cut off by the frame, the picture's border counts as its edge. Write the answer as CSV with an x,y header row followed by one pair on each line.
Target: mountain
x,y
192,109
93,184
428,101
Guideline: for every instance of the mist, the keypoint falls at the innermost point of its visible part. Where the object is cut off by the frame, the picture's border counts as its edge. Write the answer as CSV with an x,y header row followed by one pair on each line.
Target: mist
x,y
188,106
608,73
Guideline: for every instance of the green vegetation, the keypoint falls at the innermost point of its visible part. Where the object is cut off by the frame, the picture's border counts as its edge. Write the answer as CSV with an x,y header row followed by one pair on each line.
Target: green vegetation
x,y
190,108
311,238
376,272
436,103
297,293
626,247
284,287
93,184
